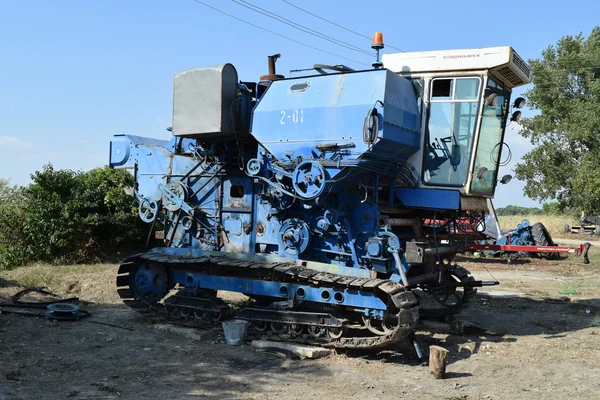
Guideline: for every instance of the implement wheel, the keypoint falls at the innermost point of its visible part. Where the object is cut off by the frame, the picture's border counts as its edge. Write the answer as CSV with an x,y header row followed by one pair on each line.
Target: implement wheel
x,y
541,237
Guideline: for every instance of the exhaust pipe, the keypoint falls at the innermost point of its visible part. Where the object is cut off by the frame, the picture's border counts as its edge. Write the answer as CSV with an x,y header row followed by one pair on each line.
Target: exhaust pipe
x,y
272,75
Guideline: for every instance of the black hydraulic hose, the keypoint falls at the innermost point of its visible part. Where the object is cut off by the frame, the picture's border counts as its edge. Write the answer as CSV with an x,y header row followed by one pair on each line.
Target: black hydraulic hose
x,y
16,298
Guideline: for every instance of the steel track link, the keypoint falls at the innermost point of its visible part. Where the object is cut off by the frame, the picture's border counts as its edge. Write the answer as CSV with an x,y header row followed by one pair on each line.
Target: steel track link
x,y
391,293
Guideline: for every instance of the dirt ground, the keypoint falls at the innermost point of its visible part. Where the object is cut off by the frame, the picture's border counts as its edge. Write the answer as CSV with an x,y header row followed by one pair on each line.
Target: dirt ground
x,y
526,341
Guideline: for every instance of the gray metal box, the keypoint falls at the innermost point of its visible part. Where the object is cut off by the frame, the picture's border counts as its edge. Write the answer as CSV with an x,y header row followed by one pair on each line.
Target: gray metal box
x,y
202,101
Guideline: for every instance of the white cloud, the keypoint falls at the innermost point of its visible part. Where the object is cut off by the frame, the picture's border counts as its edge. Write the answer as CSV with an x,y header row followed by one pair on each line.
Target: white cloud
x,y
13,143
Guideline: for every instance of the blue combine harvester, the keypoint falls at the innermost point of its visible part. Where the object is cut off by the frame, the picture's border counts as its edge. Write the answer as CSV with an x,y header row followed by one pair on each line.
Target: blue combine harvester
x,y
310,193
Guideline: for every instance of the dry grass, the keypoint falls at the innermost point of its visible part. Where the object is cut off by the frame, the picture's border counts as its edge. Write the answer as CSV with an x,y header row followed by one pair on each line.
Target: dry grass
x,y
89,282
95,283
554,223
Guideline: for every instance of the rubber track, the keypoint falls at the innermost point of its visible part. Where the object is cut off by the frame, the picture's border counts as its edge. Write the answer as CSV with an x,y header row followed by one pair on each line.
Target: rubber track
x,y
391,293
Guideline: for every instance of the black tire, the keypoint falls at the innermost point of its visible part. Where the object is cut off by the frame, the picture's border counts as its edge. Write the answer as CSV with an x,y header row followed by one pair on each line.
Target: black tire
x,y
541,237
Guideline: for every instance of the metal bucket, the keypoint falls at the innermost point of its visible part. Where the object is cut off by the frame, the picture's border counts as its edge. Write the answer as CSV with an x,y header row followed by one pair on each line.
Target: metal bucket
x,y
235,331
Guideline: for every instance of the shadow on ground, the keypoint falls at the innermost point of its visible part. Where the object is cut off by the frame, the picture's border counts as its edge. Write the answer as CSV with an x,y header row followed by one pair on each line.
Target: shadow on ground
x,y
490,320
83,359
116,353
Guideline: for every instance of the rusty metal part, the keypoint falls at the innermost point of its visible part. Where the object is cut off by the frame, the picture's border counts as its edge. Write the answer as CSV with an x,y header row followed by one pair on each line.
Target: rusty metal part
x,y
272,75
415,252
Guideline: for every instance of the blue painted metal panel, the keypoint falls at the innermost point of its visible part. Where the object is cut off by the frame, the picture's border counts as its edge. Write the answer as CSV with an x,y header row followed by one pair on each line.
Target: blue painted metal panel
x,y
332,109
429,198
123,149
290,291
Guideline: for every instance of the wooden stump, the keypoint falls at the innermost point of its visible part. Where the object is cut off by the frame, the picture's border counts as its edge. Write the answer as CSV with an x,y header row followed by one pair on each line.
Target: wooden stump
x,y
438,356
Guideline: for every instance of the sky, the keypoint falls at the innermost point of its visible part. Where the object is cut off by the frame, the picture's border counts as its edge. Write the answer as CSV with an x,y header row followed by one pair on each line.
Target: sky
x,y
75,72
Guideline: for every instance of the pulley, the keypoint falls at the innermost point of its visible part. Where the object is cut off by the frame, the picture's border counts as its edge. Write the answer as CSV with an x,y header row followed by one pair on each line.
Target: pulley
x,y
187,222
294,236
148,209
308,179
253,167
175,194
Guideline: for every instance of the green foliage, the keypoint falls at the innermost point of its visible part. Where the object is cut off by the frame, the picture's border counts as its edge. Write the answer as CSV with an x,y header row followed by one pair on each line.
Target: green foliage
x,y
552,208
558,208
11,224
566,131
68,216
518,210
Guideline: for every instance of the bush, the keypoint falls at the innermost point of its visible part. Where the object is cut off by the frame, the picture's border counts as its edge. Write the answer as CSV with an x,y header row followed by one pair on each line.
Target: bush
x,y
12,212
67,216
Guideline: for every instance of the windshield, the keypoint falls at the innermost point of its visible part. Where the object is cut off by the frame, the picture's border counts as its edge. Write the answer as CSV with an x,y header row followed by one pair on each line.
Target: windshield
x,y
450,129
489,145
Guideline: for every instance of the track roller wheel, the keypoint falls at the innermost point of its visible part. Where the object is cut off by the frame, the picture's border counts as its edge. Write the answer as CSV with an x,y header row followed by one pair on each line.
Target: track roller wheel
x,y
296,329
259,326
378,326
315,331
216,315
203,317
278,327
336,333
184,312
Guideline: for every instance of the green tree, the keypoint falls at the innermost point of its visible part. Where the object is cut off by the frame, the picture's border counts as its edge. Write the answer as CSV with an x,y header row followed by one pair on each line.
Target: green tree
x,y
67,216
566,131
12,203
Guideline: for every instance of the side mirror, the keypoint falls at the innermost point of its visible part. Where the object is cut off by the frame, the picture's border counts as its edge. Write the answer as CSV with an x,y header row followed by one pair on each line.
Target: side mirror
x,y
505,179
519,102
481,173
490,99
516,116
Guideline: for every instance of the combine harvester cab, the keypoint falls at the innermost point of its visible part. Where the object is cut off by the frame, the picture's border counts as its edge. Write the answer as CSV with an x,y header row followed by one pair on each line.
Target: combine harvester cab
x,y
311,194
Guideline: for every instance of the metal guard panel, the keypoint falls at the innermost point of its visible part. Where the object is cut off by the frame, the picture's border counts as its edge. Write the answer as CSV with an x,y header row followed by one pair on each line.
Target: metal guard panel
x,y
123,149
269,288
202,101
295,115
435,199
